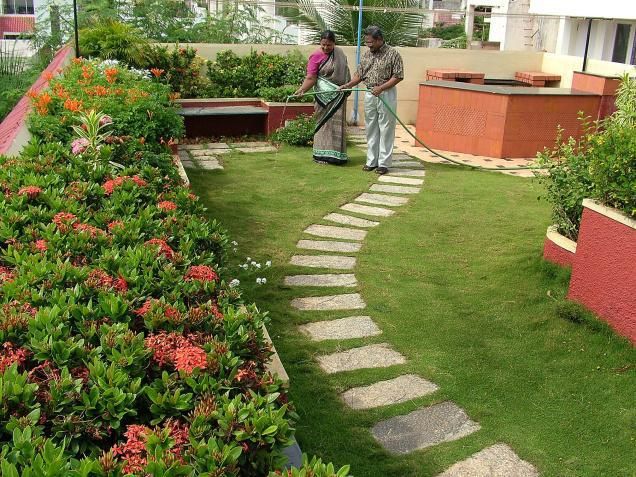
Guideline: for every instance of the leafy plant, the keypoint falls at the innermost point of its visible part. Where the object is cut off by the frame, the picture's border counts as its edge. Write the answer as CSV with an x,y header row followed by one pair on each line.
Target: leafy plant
x,y
297,132
114,40
179,67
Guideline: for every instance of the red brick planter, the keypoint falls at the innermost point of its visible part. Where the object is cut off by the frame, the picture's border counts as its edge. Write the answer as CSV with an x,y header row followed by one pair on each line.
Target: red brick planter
x,y
604,268
558,249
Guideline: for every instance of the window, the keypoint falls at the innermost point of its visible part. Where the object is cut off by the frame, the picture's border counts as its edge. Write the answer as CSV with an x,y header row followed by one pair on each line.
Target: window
x,y
620,43
17,7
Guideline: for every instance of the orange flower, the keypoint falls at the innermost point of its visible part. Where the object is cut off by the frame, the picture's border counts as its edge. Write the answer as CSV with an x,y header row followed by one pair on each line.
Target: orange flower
x,y
111,74
73,105
156,72
60,92
41,103
47,75
87,72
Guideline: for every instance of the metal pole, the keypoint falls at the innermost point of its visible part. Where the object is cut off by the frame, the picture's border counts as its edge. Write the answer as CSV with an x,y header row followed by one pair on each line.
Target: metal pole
x,y
354,117
587,43
77,49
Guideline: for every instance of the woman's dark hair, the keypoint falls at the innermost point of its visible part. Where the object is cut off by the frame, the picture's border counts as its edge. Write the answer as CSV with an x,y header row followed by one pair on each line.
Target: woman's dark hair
x,y
328,35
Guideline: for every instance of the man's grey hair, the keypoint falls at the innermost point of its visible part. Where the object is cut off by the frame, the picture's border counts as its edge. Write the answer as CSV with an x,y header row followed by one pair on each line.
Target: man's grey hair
x,y
374,32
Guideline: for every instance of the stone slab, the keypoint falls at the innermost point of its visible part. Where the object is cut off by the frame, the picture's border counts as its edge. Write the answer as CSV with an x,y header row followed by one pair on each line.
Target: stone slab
x,y
498,460
394,189
248,150
250,144
371,356
183,156
406,164
400,180
329,246
348,301
348,220
329,231
394,391
406,172
324,261
325,280
381,199
341,329
210,165
218,145
424,428
192,147
368,210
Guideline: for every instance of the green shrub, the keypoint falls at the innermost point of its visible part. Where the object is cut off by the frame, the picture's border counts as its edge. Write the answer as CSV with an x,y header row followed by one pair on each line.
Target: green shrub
x,y
297,132
180,68
232,76
113,40
281,93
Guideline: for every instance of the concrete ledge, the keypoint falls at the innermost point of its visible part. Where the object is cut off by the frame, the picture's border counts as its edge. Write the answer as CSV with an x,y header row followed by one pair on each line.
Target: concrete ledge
x,y
275,366
609,212
560,240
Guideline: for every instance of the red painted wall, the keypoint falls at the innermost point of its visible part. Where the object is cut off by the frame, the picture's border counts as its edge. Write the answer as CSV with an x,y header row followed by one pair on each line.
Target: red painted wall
x,y
558,255
604,271
604,86
16,24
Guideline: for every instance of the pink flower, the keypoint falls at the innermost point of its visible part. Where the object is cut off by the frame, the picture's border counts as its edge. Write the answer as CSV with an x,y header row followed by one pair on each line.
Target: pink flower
x,y
79,145
188,358
30,191
40,245
105,120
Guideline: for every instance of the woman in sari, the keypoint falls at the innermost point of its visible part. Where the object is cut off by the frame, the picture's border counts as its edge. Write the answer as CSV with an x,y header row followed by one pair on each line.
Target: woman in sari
x,y
327,70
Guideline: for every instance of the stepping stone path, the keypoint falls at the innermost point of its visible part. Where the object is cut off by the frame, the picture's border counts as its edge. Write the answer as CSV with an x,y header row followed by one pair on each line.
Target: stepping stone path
x,y
324,261
348,220
394,391
206,156
428,425
342,329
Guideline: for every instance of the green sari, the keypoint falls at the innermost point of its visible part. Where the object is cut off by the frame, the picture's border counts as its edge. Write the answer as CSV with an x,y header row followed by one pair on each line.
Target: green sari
x,y
330,144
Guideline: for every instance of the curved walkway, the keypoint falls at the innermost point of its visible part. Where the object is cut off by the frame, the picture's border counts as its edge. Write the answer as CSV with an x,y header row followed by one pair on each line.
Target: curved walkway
x,y
424,427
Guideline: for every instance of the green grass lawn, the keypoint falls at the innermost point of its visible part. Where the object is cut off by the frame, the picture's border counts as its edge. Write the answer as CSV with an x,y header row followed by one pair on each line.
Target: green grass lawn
x,y
456,282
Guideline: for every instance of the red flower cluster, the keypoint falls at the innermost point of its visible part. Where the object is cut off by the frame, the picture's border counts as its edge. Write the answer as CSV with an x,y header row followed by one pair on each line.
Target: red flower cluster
x,y
167,205
30,191
110,185
101,280
202,273
40,245
89,229
12,354
114,224
164,248
168,311
6,274
188,358
164,346
64,221
133,451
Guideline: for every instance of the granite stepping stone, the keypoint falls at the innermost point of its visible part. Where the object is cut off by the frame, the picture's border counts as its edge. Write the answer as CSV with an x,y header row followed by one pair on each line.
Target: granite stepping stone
x,y
202,153
184,156
348,301
400,180
325,280
247,150
329,246
330,231
341,329
498,460
424,428
406,172
324,261
367,210
251,144
218,145
371,356
192,147
407,164
395,189
348,220
381,199
394,391
210,165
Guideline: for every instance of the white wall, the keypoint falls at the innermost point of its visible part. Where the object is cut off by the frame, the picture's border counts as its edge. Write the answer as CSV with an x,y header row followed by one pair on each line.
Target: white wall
x,y
585,8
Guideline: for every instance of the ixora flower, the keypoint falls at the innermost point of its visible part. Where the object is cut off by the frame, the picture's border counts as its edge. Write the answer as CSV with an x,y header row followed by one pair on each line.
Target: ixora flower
x,y
64,221
30,191
167,205
202,273
40,245
164,248
12,354
79,145
110,185
189,358
105,120
6,274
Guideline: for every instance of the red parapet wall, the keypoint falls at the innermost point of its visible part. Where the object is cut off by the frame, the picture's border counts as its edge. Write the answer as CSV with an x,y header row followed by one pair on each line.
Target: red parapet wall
x,y
278,113
558,249
16,119
604,269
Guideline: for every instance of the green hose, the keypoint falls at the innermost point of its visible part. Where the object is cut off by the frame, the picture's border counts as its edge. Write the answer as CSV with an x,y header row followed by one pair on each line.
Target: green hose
x,y
365,90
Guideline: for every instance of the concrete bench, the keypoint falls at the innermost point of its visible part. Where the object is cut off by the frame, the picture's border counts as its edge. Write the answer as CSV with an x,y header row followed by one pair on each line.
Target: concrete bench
x,y
538,78
223,111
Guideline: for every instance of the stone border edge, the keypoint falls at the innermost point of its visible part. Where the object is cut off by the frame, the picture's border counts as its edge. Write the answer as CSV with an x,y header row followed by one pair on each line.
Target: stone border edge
x,y
559,240
609,212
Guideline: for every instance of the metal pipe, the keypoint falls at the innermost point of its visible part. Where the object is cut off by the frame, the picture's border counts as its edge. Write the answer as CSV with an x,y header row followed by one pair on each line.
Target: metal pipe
x,y
77,48
587,43
354,116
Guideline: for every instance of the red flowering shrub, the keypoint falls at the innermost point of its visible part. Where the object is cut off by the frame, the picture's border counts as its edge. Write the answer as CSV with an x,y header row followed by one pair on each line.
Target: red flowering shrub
x,y
202,273
30,191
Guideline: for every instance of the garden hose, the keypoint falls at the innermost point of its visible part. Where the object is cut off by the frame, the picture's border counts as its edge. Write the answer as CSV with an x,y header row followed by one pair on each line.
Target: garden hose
x,y
365,90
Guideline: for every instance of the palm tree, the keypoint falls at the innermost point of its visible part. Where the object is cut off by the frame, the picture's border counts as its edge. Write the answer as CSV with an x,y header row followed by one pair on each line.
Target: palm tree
x,y
341,16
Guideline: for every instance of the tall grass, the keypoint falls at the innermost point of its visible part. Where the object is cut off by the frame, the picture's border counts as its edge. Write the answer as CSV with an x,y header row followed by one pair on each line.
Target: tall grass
x,y
11,62
17,73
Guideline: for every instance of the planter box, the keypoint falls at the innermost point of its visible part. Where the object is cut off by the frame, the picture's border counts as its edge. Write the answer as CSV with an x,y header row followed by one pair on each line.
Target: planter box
x,y
237,116
604,269
558,249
